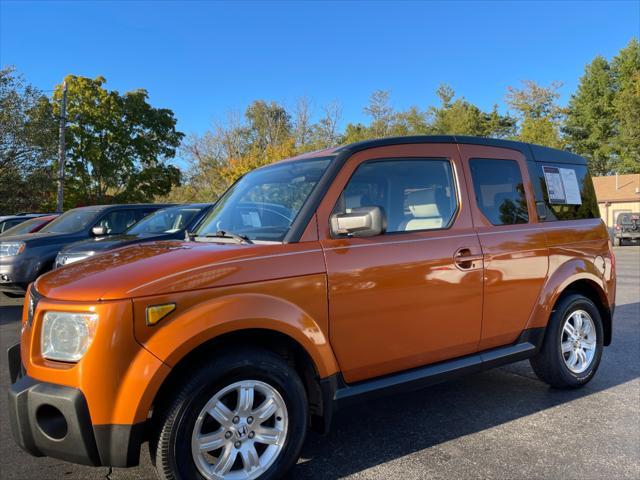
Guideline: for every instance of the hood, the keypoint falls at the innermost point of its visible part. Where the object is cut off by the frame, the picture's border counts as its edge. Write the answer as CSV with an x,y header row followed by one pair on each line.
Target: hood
x,y
163,267
109,243
40,238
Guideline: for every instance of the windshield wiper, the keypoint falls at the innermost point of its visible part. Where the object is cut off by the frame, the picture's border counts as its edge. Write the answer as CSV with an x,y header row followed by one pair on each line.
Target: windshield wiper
x,y
225,234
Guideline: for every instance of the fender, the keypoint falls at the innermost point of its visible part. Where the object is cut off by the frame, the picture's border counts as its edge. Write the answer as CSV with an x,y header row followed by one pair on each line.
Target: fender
x,y
564,275
203,315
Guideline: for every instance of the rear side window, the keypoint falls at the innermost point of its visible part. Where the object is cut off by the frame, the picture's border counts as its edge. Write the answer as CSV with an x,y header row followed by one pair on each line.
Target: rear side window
x,y
499,191
414,194
118,221
567,191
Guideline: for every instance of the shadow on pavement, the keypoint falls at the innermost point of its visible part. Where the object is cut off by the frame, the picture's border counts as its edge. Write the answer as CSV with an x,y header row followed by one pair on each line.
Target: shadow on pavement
x,y
9,314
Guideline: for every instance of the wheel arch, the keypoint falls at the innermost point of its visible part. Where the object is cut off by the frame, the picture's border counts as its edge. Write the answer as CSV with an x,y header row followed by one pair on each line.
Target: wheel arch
x,y
275,341
596,294
584,283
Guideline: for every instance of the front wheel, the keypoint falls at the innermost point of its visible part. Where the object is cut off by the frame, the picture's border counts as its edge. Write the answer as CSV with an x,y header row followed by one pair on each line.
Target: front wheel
x,y
573,344
244,416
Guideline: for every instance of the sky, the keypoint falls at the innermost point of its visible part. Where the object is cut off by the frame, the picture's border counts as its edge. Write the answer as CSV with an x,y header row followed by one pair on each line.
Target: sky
x,y
204,60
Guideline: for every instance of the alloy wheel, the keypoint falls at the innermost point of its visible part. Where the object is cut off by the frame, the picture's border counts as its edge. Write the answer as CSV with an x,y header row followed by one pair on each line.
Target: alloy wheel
x,y
240,431
578,341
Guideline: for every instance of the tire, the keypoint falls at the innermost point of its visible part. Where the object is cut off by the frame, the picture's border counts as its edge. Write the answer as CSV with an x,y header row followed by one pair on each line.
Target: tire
x,y
183,416
550,364
616,241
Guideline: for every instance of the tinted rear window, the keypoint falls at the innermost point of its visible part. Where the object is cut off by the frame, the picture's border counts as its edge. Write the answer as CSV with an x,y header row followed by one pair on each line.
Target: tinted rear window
x,y
565,203
499,191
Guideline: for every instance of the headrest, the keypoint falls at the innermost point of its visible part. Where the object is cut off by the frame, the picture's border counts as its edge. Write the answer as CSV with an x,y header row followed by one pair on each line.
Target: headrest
x,y
422,204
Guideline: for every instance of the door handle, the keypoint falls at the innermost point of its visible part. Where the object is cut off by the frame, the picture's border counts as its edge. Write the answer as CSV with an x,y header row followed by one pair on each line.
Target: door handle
x,y
465,260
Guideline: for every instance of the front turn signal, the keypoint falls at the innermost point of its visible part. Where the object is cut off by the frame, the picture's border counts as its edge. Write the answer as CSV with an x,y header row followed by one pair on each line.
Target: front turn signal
x,y
155,313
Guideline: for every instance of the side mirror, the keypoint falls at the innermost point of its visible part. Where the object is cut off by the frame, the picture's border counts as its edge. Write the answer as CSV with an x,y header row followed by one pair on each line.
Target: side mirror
x,y
98,231
360,222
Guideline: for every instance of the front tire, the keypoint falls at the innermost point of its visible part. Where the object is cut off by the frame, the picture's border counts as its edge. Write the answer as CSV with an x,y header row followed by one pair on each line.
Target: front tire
x,y
243,416
573,344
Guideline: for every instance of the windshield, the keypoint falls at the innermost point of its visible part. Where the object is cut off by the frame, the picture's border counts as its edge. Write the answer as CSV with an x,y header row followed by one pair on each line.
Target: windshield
x,y
23,227
169,220
624,217
263,204
71,221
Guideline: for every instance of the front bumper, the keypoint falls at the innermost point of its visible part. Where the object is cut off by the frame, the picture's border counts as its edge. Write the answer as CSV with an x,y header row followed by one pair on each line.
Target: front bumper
x,y
15,274
628,235
54,420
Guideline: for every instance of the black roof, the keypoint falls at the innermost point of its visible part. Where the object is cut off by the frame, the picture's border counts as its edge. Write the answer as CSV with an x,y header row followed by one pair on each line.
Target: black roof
x,y
530,151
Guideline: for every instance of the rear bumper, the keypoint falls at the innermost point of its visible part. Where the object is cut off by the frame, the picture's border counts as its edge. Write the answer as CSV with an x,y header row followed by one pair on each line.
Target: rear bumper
x,y
54,420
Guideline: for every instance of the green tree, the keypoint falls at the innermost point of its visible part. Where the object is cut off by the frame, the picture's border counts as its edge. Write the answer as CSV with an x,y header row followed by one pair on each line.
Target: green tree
x,y
27,146
268,124
625,69
539,113
118,145
459,117
590,125
381,113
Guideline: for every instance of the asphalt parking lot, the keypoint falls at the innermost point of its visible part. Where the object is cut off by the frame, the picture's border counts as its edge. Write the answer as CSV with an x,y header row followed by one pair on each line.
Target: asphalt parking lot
x,y
500,424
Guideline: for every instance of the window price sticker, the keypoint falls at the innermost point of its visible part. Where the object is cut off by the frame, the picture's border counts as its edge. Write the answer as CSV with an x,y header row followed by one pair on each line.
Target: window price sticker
x,y
562,185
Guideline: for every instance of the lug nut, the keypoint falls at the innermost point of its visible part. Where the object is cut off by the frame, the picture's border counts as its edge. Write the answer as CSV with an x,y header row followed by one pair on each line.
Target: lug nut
x,y
237,444
250,420
236,419
252,434
227,435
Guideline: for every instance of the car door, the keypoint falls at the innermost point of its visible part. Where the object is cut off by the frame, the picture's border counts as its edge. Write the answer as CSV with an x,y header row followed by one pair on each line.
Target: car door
x,y
513,242
412,295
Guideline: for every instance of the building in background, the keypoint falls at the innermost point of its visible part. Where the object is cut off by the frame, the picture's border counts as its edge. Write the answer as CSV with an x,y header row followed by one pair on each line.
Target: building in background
x,y
617,194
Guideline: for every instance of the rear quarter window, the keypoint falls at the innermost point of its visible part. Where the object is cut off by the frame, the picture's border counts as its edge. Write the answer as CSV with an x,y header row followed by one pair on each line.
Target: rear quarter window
x,y
563,205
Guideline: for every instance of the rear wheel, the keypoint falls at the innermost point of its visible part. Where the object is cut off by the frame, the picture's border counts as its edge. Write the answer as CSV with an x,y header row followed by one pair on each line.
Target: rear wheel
x,y
242,417
572,348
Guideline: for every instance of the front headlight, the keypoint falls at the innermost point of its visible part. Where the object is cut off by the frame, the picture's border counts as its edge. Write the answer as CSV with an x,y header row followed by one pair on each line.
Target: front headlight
x,y
11,249
66,336
67,258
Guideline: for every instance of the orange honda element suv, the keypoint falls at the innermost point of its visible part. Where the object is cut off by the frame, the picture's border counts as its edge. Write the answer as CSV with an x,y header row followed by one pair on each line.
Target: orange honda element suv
x,y
314,282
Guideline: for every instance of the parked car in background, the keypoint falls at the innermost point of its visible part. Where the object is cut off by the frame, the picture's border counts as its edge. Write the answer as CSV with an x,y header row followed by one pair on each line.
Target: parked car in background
x,y
29,226
24,257
337,276
166,224
9,221
626,229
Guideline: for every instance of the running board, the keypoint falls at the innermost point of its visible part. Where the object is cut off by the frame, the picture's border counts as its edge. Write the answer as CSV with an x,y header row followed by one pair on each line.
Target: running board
x,y
418,378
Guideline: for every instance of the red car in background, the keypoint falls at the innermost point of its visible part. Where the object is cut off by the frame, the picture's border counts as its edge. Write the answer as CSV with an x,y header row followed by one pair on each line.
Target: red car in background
x,y
29,226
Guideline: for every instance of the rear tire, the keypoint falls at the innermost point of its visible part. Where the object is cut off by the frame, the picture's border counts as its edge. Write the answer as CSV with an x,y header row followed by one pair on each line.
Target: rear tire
x,y
244,381
573,344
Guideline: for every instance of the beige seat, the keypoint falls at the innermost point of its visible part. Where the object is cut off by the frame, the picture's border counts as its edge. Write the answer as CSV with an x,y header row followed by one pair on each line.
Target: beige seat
x,y
424,210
